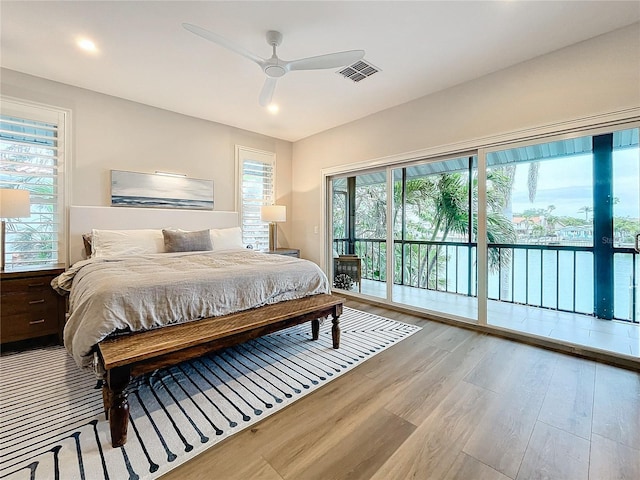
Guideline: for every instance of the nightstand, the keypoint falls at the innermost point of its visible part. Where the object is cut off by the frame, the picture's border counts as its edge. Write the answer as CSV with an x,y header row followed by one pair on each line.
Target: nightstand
x,y
290,252
29,307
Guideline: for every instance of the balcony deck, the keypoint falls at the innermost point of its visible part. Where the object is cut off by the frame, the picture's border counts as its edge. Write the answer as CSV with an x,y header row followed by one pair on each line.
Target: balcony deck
x,y
617,337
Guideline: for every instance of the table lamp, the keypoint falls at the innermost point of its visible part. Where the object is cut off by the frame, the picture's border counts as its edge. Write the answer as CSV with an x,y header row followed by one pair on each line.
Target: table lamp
x,y
273,214
14,203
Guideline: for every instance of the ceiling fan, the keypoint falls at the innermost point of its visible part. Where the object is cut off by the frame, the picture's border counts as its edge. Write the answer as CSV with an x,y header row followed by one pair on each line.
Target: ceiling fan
x,y
275,67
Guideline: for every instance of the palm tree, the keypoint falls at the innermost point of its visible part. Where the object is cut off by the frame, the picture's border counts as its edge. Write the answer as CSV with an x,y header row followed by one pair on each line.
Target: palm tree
x,y
452,215
587,210
532,184
440,202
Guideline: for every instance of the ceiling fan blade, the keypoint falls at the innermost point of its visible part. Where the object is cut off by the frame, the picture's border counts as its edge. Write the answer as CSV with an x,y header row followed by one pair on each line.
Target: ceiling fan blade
x,y
223,42
330,60
267,91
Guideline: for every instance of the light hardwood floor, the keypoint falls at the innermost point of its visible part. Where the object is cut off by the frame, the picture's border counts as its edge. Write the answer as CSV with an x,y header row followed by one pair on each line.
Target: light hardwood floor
x,y
446,403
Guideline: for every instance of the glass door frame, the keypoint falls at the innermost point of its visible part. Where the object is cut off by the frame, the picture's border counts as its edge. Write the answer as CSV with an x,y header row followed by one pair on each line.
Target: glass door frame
x,y
327,223
388,169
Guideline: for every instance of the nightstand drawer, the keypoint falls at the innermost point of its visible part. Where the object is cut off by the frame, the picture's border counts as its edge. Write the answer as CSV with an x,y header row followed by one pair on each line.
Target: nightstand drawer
x,y
29,307
24,303
25,285
34,324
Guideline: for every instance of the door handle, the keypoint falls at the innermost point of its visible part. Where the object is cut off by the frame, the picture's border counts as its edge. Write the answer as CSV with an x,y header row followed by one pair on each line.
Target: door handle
x,y
638,242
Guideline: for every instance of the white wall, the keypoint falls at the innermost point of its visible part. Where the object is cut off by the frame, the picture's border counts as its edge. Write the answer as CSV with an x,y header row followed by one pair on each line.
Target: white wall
x,y
113,133
595,77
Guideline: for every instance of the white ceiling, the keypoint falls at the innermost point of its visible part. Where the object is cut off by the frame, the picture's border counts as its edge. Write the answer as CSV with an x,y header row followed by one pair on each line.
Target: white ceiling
x,y
421,47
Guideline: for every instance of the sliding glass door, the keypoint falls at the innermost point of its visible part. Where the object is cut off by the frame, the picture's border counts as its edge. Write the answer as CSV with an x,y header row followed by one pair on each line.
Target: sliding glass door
x,y
434,225
572,266
359,232
549,260
560,225
433,217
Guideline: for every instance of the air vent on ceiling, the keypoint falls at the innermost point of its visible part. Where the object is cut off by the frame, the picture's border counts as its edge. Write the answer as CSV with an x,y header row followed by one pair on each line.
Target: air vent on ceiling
x,y
358,71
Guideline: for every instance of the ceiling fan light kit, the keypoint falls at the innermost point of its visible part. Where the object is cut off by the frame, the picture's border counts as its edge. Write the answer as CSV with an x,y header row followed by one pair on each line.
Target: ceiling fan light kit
x,y
274,67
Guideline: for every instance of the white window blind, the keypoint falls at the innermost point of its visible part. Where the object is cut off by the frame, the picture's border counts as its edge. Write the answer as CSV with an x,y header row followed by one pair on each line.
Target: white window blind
x,y
31,152
257,188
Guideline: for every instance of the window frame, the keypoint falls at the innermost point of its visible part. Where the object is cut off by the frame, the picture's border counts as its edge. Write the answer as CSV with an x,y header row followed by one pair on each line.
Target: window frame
x,y
243,154
61,117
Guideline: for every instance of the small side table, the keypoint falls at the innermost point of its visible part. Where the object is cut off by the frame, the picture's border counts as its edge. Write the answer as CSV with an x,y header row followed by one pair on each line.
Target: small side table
x,y
30,308
290,252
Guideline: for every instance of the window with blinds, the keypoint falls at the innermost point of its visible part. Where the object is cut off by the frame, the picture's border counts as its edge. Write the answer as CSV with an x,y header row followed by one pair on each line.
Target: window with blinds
x,y
257,187
31,141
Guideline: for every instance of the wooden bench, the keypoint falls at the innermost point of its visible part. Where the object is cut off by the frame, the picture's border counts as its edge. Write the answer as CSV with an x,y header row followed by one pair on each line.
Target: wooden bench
x,y
130,355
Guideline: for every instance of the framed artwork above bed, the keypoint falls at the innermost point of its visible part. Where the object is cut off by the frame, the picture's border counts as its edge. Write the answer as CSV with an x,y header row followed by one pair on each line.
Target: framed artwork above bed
x,y
134,189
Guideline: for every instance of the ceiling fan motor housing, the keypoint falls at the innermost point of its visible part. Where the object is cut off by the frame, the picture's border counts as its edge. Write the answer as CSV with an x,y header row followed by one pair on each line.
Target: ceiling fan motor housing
x,y
274,70
272,67
274,38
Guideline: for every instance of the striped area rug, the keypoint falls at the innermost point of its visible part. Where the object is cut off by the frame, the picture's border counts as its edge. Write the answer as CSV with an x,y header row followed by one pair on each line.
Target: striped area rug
x,y
52,424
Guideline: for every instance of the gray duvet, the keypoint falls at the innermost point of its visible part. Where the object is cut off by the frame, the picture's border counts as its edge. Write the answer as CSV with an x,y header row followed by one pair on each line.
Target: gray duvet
x,y
149,291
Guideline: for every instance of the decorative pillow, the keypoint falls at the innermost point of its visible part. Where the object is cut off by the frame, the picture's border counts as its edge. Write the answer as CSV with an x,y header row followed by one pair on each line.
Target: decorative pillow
x,y
117,243
226,238
87,240
180,241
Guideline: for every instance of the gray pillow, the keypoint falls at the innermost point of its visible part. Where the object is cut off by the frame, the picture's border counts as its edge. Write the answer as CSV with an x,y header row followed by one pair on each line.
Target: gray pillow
x,y
175,241
87,238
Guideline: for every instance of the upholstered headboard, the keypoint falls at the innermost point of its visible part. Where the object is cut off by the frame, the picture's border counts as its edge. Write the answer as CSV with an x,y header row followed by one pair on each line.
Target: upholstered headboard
x,y
84,219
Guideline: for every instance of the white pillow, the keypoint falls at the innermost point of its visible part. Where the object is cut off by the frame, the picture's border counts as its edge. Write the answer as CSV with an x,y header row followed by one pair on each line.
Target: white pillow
x,y
226,238
117,243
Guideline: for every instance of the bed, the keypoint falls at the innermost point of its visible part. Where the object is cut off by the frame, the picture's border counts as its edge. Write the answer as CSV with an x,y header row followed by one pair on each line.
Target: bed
x,y
134,307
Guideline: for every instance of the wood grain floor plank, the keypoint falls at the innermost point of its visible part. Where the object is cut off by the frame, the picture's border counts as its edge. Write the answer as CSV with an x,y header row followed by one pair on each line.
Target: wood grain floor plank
x,y
501,438
410,354
428,389
451,338
613,461
255,468
338,410
553,454
494,370
467,468
569,401
383,433
433,448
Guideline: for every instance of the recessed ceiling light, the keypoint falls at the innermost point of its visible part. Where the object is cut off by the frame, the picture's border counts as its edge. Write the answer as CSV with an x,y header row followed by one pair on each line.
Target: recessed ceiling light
x,y
273,108
86,45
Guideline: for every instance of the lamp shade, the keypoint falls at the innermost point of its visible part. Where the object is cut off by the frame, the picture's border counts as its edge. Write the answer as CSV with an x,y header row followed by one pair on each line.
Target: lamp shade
x,y
273,213
14,203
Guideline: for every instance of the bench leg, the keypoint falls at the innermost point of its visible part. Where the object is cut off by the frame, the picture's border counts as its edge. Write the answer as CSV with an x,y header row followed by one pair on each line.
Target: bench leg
x,y
117,381
106,398
315,329
335,331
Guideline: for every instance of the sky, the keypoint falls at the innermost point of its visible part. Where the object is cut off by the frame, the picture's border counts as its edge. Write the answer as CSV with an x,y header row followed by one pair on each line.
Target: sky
x,y
567,182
